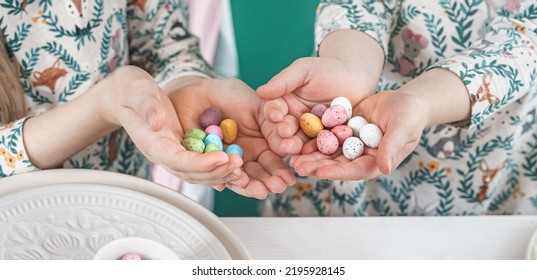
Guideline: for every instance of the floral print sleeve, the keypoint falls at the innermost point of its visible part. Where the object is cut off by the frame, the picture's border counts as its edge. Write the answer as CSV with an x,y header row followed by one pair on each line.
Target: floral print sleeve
x,y
160,41
65,47
488,168
501,68
14,158
369,16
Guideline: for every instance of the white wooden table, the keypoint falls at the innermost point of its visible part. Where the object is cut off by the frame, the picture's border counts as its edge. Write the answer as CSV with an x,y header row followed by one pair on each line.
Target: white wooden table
x,y
485,237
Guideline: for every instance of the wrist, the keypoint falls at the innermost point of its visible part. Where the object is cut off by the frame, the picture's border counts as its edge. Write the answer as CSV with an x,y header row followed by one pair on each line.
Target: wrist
x,y
106,94
444,95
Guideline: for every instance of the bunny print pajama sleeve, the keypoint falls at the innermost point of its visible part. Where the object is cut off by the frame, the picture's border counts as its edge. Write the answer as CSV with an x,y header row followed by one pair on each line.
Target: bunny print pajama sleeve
x,y
65,48
486,166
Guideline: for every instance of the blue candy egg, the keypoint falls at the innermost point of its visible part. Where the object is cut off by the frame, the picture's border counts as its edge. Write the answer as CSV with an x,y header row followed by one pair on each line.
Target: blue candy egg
x,y
214,139
234,149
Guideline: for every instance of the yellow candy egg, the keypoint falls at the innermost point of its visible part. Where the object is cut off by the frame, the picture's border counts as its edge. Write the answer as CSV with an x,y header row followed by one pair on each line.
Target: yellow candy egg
x,y
311,124
229,128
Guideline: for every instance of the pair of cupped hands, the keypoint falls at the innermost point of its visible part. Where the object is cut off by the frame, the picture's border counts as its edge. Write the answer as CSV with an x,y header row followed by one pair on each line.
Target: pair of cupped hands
x,y
268,126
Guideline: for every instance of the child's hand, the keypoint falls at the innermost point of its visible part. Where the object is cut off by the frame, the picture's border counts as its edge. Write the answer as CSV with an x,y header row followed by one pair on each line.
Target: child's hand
x,y
399,115
264,171
304,84
148,116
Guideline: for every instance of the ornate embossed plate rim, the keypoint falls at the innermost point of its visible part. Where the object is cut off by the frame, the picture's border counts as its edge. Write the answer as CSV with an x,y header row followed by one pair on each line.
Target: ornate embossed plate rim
x,y
27,181
107,203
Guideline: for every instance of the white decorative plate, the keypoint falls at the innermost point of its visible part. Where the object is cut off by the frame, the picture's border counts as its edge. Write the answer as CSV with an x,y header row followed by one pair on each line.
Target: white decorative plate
x,y
71,214
531,250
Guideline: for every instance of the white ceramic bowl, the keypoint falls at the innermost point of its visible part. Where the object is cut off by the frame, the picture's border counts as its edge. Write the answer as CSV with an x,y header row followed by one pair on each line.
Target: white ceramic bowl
x,y
147,249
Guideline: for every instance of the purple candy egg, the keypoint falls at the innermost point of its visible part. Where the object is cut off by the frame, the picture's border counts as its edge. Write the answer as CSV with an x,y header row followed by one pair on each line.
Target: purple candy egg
x,y
319,110
211,116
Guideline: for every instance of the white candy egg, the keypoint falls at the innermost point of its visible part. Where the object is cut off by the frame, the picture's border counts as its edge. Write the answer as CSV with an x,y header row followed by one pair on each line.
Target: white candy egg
x,y
345,102
353,147
371,135
356,123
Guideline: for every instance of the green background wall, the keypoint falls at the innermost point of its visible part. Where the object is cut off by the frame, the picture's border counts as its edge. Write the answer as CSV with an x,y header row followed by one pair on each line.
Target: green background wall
x,y
270,35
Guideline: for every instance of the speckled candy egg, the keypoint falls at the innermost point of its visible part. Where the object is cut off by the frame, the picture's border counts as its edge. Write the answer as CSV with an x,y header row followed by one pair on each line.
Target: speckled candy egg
x,y
214,139
211,147
210,116
234,149
335,115
229,129
131,257
371,135
327,142
353,147
193,145
195,133
318,110
215,129
342,132
310,124
345,102
355,123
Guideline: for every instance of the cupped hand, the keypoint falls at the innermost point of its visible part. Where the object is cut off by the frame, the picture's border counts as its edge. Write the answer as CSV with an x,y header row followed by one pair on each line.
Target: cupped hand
x,y
397,114
148,116
264,171
302,85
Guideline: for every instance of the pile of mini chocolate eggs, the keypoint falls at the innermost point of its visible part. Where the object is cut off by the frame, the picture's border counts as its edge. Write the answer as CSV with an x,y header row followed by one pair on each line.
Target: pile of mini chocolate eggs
x,y
345,130
215,131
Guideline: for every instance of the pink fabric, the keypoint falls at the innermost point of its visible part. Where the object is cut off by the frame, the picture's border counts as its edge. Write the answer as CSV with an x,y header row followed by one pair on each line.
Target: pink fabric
x,y
165,178
205,20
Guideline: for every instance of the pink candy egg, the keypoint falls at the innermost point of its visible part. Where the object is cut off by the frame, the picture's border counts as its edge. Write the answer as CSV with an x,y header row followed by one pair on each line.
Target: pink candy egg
x,y
319,110
335,115
342,132
345,102
215,129
131,257
327,142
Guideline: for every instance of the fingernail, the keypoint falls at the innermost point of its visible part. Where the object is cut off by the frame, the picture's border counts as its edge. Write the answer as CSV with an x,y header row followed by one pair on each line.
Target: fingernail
x,y
391,164
292,161
275,115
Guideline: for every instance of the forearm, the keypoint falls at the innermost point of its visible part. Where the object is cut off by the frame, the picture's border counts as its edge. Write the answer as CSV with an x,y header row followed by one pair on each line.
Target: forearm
x,y
445,97
354,46
358,49
53,137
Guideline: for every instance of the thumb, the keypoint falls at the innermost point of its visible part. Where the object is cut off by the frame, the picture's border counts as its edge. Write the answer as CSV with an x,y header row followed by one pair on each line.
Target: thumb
x,y
398,142
288,80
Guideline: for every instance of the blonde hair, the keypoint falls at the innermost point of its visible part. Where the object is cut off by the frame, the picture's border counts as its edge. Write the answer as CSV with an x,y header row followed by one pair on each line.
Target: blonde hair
x,y
12,103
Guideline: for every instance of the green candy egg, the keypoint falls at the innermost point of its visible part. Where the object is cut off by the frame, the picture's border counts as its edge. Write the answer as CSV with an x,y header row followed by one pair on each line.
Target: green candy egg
x,y
195,133
193,145
211,147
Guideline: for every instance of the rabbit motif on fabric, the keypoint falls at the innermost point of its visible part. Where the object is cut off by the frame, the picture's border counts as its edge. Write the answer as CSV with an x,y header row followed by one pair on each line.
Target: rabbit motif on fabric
x,y
413,44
